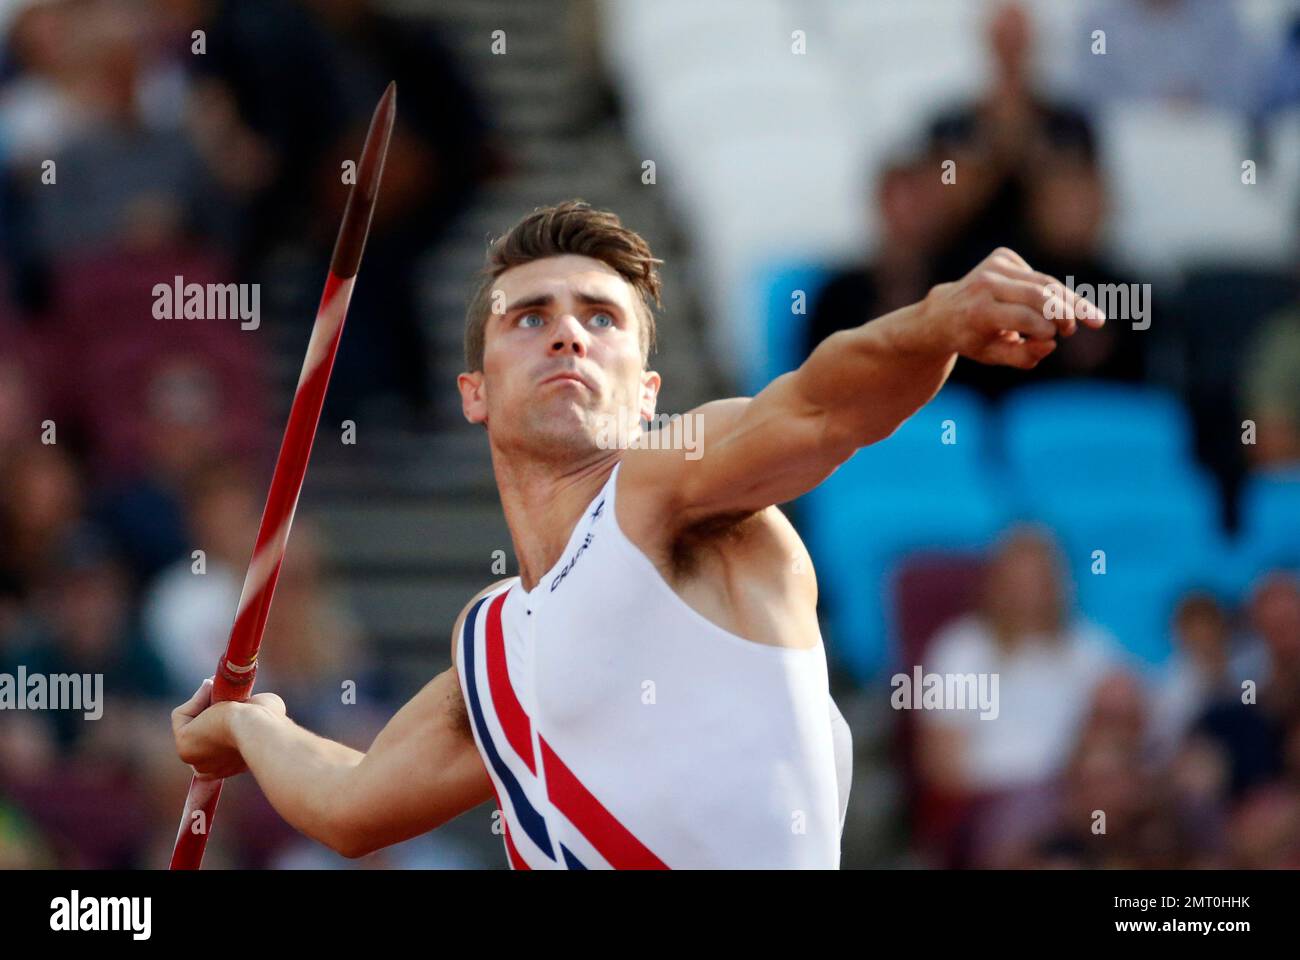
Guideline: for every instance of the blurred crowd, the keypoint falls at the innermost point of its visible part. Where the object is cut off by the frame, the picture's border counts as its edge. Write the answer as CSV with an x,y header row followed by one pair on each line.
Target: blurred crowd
x,y
1032,179
1093,760
143,140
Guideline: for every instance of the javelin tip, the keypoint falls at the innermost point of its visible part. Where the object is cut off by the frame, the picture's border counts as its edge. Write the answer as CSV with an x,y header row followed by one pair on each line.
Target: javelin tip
x,y
361,202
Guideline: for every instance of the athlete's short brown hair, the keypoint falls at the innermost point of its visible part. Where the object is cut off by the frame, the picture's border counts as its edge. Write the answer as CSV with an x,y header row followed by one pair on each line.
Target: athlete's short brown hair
x,y
571,227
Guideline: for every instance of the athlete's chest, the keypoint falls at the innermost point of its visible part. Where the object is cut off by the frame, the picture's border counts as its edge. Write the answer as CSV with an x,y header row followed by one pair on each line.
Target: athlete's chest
x,y
579,652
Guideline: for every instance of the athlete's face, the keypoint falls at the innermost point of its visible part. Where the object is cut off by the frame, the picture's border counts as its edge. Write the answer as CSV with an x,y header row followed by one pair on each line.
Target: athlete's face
x,y
562,358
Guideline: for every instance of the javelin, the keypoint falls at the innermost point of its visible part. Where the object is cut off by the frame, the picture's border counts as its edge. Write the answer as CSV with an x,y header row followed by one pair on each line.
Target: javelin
x,y
238,666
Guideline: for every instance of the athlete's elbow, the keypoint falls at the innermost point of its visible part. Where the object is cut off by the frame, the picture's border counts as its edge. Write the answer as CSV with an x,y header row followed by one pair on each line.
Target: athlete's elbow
x,y
354,848
341,824
351,840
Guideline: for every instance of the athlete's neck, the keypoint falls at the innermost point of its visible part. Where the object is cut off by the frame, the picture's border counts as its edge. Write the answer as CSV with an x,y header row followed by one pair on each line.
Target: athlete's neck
x,y
543,504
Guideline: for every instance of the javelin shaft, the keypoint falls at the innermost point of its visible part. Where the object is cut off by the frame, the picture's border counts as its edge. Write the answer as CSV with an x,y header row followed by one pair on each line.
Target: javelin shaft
x,y
237,668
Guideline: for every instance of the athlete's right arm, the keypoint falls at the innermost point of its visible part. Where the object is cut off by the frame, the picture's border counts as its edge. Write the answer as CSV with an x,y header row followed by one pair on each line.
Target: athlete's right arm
x,y
421,771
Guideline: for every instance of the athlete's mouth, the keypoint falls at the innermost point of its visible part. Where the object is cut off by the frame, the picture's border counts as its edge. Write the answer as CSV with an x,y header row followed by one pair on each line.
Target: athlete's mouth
x,y
567,375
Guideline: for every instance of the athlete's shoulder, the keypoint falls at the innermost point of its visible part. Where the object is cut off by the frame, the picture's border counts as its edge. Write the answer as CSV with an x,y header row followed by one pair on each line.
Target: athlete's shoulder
x,y
464,612
658,476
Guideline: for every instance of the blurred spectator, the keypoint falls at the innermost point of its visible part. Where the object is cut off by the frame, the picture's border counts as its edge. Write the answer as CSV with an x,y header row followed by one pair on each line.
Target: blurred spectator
x,y
1115,806
1116,810
90,626
1066,206
1177,51
1252,728
314,659
1027,178
1271,389
1048,664
27,745
908,201
21,845
123,177
1199,672
184,413
43,88
263,109
999,142
20,403
1275,618
438,156
187,614
41,499
1265,831
1280,79
341,55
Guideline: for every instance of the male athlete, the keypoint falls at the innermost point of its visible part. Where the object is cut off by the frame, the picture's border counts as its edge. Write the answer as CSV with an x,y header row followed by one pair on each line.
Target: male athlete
x,y
651,690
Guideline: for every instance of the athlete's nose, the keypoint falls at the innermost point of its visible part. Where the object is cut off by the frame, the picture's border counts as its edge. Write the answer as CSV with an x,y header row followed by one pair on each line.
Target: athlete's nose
x,y
569,337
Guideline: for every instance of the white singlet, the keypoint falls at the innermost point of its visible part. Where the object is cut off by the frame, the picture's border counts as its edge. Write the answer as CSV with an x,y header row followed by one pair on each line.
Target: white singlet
x,y
621,728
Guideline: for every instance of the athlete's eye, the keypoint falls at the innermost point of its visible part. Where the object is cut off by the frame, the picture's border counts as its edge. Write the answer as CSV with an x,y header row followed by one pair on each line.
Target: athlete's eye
x,y
602,319
524,321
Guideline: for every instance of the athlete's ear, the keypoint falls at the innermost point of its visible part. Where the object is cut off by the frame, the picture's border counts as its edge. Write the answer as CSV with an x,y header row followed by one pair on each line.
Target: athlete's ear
x,y
650,381
473,396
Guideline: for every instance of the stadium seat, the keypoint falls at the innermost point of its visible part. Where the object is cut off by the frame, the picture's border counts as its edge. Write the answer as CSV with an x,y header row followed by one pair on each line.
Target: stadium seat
x,y
745,213
703,102
1156,541
859,548
899,62
785,331
1093,434
1270,519
910,492
930,589
1137,605
1110,468
1178,192
643,37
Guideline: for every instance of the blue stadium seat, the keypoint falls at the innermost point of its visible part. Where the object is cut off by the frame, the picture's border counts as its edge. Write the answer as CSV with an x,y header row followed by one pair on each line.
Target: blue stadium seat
x,y
1270,519
785,332
912,491
1137,605
1110,467
861,553
1156,544
1092,434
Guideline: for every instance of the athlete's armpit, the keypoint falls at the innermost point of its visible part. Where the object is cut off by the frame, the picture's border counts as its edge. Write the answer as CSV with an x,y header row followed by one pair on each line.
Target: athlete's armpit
x,y
457,714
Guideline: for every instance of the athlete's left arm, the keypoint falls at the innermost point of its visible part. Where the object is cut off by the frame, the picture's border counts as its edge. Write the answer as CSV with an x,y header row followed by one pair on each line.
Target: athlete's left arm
x,y
855,389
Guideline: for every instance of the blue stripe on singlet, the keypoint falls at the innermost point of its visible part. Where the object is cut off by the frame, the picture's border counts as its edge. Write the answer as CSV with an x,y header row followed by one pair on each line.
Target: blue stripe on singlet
x,y
533,823
570,861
